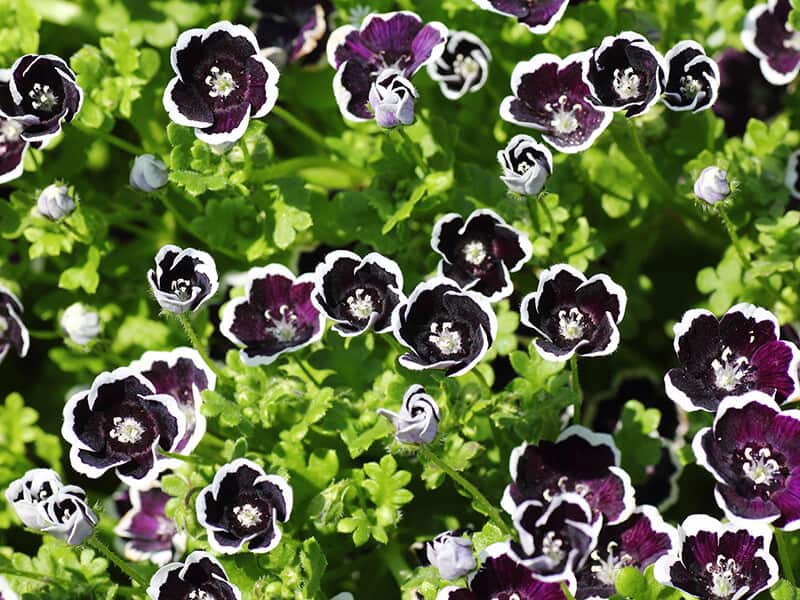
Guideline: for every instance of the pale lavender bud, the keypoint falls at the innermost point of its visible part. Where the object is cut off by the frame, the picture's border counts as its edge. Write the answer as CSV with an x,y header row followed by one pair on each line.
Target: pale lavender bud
x,y
451,554
712,186
148,174
55,202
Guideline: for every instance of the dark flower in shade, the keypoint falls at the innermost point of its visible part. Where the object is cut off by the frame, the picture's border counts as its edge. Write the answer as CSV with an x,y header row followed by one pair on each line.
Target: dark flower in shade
x,y
29,491
12,150
200,577
716,561
727,357
444,327
66,515
147,533
221,82
463,67
550,95
540,16
391,99
638,542
396,43
13,333
243,505
418,419
792,178
40,95
480,253
751,450
769,37
555,537
578,461
358,293
289,32
744,93
274,316
503,577
182,374
692,78
121,423
574,315
526,164
183,280
625,73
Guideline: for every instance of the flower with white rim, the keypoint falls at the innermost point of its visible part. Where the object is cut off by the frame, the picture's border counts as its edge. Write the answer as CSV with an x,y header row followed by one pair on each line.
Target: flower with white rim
x,y
451,555
712,185
692,81
55,202
768,35
539,16
463,67
66,515
13,333
391,99
29,491
12,148
199,577
527,165
148,173
184,279
418,419
292,32
80,323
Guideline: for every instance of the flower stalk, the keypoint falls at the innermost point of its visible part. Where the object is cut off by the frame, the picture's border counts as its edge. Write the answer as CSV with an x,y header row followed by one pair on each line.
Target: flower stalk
x,y
198,345
735,240
575,383
785,555
113,557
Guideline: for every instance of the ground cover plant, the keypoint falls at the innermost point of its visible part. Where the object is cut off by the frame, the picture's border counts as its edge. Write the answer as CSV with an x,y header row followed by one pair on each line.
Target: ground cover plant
x,y
457,300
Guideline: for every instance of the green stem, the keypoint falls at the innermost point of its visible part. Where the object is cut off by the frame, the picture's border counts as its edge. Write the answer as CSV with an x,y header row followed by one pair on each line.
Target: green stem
x,y
481,378
641,159
301,127
394,560
198,345
134,576
112,139
479,499
192,459
575,383
44,335
305,370
567,594
551,222
359,176
413,150
785,555
35,577
737,243
248,159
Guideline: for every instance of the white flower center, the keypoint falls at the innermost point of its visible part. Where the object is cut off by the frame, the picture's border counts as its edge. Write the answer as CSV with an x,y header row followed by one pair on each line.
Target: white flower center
x,y
564,120
552,547
361,305
282,328
247,515
42,97
690,86
182,288
127,430
607,570
200,595
445,339
221,83
723,577
466,67
626,83
9,132
761,467
729,373
570,323
475,253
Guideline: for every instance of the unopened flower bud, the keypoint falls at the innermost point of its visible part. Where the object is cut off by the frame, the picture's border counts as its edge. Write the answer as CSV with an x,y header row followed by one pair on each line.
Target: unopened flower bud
x,y
55,202
712,185
148,173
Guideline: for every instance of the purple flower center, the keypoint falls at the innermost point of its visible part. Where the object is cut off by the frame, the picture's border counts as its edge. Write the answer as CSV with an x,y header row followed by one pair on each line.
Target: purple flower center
x,y
361,304
762,468
729,370
570,323
564,119
282,327
42,98
221,83
445,338
626,83
723,577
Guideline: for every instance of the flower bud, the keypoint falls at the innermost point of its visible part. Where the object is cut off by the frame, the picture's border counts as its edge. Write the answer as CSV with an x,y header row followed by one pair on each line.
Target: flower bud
x,y
712,186
80,324
418,419
451,554
392,100
148,173
526,165
55,202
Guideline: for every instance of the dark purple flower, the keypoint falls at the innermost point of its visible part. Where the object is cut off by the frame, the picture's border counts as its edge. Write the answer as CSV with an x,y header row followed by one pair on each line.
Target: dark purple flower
x,y
463,67
444,327
501,577
578,461
727,357
121,423
274,316
358,293
716,561
751,450
147,533
183,374
183,280
692,78
540,16
769,37
526,164
550,95
25,495
625,73
200,577
418,419
574,315
243,505
555,537
13,333
66,516
40,95
792,178
396,43
12,150
638,542
296,31
221,82
480,253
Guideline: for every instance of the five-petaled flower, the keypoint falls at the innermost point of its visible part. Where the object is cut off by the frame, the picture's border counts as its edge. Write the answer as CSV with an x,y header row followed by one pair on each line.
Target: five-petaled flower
x,y
574,315
66,515
274,316
463,67
444,327
147,533
243,505
13,333
625,73
40,95
550,95
730,356
451,554
480,253
526,163
289,32
540,16
387,44
692,78
29,491
121,423
716,561
768,35
221,82
200,577
418,419
183,280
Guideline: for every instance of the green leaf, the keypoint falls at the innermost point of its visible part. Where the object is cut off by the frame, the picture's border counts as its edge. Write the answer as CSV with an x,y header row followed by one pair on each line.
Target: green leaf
x,y
85,276
783,590
638,439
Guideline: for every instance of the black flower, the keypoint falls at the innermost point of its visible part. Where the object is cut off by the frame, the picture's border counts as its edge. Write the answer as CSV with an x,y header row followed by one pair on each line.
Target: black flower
x,y
444,327
481,253
540,16
296,31
13,333
183,280
692,78
463,67
243,505
147,533
221,82
12,150
200,577
768,35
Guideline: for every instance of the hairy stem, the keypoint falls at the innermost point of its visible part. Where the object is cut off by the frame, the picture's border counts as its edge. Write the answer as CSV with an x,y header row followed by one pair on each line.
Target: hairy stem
x,y
305,370
575,383
735,240
112,139
198,345
113,557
